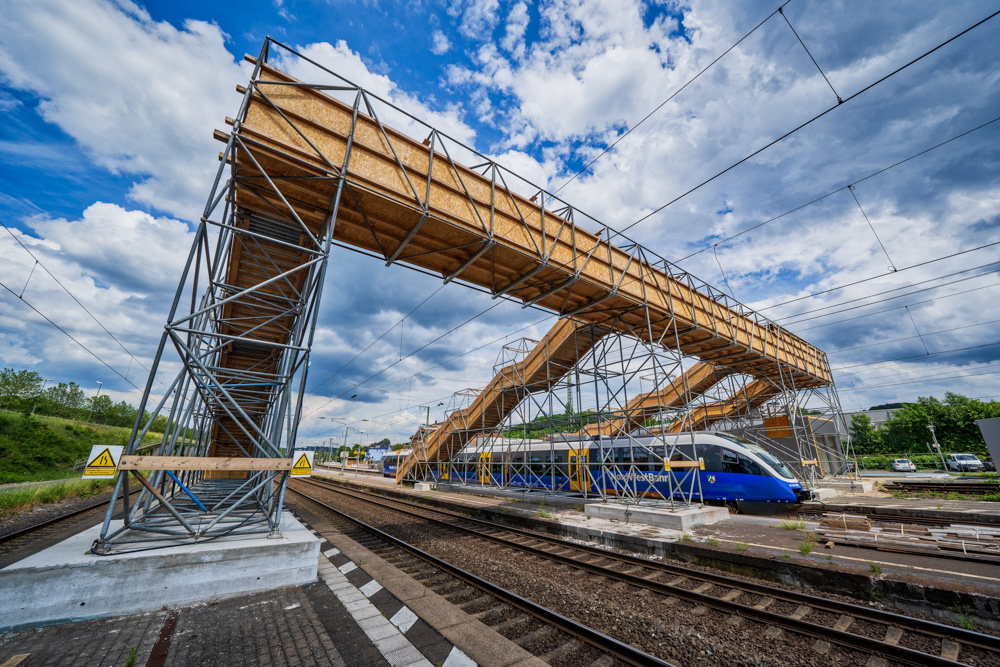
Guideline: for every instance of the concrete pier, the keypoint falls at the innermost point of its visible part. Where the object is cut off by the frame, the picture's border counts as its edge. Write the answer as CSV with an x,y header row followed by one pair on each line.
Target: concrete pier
x,y
67,582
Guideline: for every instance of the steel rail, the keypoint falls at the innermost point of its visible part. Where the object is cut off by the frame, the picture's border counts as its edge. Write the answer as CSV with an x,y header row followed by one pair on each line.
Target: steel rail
x,y
965,637
586,634
48,522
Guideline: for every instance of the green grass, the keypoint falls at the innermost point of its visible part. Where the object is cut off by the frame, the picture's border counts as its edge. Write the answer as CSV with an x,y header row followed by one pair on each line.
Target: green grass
x,y
714,541
876,569
36,448
686,538
24,497
806,546
542,514
793,524
742,546
965,623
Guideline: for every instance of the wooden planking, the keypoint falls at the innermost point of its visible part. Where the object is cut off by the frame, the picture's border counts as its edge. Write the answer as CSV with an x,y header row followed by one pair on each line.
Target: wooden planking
x,y
540,236
220,463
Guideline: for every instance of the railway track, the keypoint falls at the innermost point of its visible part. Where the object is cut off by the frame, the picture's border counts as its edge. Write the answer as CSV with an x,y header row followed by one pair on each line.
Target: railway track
x,y
885,636
560,638
974,488
20,538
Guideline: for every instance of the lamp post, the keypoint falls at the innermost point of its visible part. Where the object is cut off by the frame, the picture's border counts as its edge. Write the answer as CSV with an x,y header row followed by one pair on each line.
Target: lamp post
x,y
35,406
938,447
93,400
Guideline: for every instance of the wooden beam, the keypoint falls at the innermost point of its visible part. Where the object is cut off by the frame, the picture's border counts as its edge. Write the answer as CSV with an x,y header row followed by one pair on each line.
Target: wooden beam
x,y
201,463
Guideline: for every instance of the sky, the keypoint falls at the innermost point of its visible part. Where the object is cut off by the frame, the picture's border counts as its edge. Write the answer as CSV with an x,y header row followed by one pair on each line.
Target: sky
x,y
107,158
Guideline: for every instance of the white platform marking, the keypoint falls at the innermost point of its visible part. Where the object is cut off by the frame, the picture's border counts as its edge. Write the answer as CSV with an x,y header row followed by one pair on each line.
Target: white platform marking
x,y
390,642
457,658
331,553
404,619
371,588
348,566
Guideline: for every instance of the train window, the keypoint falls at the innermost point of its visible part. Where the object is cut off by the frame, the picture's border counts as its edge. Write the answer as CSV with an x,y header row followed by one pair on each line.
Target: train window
x,y
733,462
712,456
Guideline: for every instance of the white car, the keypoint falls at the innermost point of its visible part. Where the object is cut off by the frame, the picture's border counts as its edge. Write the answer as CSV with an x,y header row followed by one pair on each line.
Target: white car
x,y
904,465
965,463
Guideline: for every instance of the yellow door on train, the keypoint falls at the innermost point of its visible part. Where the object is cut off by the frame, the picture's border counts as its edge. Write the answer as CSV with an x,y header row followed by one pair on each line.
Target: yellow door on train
x,y
443,471
484,467
577,468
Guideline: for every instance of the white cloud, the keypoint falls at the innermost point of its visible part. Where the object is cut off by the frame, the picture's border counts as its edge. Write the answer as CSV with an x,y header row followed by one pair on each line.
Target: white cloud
x,y
517,25
440,44
140,96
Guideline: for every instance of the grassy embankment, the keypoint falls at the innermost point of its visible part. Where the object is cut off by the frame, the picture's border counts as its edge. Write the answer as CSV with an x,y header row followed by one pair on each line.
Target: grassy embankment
x,y
35,449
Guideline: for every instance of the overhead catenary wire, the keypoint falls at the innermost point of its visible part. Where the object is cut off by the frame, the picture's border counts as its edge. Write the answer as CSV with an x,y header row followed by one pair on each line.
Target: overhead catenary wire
x,y
67,334
894,289
837,369
897,340
604,152
889,310
40,263
809,122
787,323
833,192
881,275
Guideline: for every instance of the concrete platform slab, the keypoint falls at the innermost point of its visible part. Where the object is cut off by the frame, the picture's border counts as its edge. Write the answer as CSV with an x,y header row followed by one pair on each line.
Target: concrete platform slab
x,y
662,518
845,486
822,494
66,582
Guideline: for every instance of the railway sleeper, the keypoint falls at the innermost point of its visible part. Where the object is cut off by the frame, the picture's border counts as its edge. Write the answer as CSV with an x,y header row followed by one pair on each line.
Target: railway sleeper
x,y
562,651
509,627
539,634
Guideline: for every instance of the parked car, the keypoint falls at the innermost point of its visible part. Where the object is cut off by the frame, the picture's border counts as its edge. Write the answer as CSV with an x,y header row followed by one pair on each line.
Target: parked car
x,y
964,463
904,465
992,467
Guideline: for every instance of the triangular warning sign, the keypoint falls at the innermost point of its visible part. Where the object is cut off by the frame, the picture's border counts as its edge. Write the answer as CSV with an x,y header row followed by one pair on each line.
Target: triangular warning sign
x,y
302,466
102,465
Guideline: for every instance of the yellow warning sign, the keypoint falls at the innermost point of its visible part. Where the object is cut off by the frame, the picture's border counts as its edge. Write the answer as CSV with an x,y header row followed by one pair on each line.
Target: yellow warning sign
x,y
102,462
303,465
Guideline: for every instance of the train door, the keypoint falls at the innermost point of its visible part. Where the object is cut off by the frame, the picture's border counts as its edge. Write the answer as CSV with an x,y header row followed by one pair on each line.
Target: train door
x,y
577,468
484,467
443,471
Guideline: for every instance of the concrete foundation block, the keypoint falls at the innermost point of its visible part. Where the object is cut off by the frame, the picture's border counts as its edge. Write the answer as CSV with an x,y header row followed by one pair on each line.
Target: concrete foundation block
x,y
822,494
424,486
661,518
847,486
66,582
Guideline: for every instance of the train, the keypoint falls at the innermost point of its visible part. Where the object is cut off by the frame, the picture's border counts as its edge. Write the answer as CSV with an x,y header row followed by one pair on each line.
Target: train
x,y
390,462
730,470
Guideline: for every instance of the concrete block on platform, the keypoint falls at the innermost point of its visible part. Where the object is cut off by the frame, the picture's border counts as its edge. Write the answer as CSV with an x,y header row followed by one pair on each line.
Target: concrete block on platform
x,y
822,494
67,582
660,517
424,486
847,486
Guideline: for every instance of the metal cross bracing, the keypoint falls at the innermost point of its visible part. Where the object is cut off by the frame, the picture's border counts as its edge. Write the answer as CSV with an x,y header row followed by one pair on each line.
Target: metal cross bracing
x,y
310,163
507,437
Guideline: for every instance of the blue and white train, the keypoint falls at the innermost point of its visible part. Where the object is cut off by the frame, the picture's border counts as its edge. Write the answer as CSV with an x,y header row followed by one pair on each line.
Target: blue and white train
x,y
729,469
390,462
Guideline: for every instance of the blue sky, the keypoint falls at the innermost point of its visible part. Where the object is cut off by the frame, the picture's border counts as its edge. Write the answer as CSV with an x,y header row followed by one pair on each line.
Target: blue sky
x,y
107,156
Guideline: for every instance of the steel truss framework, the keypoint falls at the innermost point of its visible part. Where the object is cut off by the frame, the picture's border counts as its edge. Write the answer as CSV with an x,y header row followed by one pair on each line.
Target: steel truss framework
x,y
313,163
634,389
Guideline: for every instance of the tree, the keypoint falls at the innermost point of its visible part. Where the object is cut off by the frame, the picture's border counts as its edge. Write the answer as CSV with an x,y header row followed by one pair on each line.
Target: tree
x,y
865,438
16,387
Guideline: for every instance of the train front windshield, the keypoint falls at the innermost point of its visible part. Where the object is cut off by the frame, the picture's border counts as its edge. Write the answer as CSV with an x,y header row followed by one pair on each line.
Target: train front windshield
x,y
770,460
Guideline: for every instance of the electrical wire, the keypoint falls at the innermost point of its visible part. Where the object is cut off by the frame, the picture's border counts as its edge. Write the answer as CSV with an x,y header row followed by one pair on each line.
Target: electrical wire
x,y
810,121
386,333
881,275
833,192
40,263
604,152
67,334
917,356
897,340
889,310
894,289
891,298
923,381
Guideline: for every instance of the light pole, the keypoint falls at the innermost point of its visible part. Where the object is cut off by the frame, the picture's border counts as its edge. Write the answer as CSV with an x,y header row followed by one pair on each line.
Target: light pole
x,y
938,448
94,399
35,406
